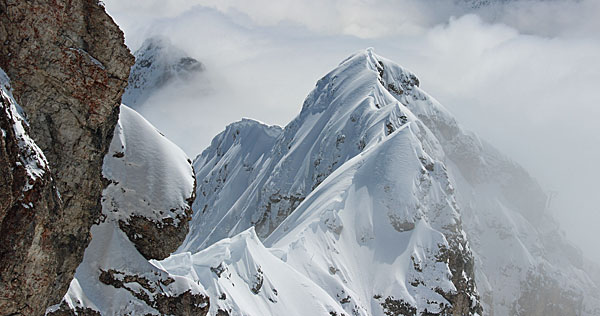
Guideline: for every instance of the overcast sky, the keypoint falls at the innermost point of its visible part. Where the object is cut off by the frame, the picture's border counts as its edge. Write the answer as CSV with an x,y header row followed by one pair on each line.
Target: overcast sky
x,y
524,75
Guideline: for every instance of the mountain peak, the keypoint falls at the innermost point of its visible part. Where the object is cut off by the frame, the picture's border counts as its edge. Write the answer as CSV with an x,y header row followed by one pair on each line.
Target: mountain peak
x,y
246,124
353,171
349,110
365,70
371,154
158,63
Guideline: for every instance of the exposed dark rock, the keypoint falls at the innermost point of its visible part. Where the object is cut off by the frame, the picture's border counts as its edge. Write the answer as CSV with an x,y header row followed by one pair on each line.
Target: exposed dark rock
x,y
186,303
64,310
461,264
156,240
68,67
258,281
285,205
29,210
218,270
222,312
395,307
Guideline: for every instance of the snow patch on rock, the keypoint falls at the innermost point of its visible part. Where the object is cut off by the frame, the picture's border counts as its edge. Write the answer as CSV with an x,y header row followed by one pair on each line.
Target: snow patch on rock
x,y
149,175
31,156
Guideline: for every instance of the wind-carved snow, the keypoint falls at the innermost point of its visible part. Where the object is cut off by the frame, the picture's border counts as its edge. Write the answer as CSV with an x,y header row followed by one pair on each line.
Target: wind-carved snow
x,y
30,155
144,180
348,111
380,233
111,258
300,188
379,228
242,277
158,63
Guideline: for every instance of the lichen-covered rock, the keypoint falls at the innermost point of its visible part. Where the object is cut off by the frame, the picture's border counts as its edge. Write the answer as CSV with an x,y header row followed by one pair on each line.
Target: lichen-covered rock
x,y
68,67
29,209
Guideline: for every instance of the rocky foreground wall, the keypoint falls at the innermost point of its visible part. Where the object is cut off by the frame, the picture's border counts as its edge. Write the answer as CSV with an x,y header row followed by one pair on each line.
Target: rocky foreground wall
x,y
68,67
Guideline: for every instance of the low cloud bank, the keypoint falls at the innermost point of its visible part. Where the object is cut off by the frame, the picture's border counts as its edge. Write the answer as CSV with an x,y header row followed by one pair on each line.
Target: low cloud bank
x,y
521,74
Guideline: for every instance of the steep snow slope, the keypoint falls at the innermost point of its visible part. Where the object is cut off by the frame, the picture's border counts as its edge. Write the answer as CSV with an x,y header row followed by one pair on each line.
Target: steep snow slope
x,y
150,178
348,111
523,265
382,233
158,63
236,161
537,271
242,277
392,206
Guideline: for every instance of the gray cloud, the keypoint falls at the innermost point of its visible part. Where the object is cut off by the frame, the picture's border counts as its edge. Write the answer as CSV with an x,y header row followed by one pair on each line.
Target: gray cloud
x,y
521,74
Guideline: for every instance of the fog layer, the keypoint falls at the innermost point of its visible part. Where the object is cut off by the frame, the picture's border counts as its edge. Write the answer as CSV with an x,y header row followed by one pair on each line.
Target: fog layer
x,y
523,75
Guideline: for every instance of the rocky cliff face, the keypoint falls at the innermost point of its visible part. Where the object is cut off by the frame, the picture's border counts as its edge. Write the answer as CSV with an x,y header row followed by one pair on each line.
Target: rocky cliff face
x,y
29,209
69,66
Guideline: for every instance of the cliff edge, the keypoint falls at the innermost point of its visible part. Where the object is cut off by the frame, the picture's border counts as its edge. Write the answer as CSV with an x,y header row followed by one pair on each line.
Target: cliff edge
x,y
68,67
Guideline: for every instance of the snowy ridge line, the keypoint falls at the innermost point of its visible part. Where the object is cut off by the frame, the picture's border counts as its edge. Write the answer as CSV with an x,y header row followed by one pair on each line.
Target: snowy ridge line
x,y
243,277
309,149
299,186
373,201
356,108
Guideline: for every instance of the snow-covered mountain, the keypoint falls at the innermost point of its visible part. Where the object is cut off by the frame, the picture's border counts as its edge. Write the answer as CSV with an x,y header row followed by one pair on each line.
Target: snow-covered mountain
x,y
372,201
158,63
375,226
373,165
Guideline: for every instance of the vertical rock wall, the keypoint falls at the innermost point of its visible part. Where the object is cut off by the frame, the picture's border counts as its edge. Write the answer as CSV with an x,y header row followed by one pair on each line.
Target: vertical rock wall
x,y
68,67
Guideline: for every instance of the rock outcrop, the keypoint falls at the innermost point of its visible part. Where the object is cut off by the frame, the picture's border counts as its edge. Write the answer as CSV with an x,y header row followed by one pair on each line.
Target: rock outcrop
x,y
145,209
68,67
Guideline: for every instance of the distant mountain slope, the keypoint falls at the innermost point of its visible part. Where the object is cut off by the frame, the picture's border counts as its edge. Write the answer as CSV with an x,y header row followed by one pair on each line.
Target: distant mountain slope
x,y
158,63
523,265
376,226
